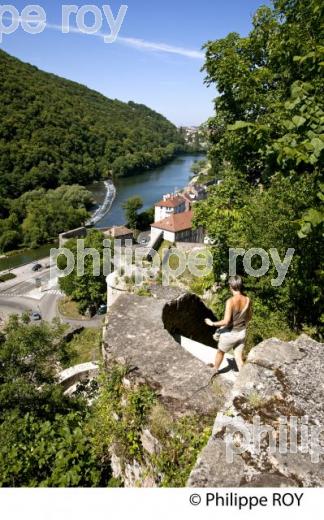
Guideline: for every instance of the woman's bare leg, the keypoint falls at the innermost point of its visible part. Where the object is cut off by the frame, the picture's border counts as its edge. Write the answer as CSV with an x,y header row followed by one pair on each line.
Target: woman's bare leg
x,y
219,359
238,357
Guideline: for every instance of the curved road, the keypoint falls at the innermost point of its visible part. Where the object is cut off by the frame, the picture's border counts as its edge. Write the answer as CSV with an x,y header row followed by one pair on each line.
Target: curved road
x,y
16,297
47,307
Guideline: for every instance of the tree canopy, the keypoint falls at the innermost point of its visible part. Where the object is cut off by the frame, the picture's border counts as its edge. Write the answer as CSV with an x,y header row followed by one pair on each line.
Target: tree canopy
x,y
267,143
131,207
54,131
38,216
46,437
88,289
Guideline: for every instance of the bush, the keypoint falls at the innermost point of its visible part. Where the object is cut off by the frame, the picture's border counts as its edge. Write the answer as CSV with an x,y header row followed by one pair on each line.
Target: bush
x,y
46,437
9,240
6,277
122,413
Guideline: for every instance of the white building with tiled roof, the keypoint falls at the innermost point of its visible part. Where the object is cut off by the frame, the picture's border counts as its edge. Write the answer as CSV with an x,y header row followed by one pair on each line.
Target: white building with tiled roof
x,y
177,228
171,204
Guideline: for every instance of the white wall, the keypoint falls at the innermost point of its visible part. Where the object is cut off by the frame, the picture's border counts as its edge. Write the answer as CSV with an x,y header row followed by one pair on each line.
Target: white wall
x,y
154,235
200,351
112,294
207,355
162,212
169,236
158,214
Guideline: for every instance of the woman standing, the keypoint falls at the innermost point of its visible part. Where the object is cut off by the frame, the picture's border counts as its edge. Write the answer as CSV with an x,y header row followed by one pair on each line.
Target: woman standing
x,y
238,313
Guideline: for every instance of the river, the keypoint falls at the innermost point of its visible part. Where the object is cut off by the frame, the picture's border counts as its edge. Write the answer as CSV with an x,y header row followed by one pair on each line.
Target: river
x,y
150,186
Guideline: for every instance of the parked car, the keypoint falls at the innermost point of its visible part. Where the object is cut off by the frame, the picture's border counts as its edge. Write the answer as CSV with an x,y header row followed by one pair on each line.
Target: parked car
x,y
102,309
36,267
209,241
35,316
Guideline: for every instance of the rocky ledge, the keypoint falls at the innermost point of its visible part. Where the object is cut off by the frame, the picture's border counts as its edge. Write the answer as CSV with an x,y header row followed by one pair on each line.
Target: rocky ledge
x,y
142,332
268,429
280,390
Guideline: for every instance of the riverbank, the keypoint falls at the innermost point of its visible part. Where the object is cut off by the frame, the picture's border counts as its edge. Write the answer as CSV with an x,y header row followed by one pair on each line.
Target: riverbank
x,y
104,208
149,185
25,256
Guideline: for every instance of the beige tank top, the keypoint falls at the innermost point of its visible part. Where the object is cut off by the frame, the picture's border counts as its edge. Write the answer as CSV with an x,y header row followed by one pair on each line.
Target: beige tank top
x,y
240,318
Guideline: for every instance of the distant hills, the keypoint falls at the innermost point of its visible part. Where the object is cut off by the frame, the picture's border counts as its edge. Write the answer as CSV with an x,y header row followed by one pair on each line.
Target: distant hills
x,y
54,131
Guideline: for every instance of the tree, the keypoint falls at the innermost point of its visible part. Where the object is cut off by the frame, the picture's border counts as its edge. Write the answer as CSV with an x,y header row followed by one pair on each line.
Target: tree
x,y
9,240
46,437
47,218
131,207
270,86
89,290
145,219
267,143
39,216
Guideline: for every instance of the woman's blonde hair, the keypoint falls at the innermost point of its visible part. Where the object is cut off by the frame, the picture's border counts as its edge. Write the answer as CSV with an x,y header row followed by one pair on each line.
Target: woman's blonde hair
x,y
236,283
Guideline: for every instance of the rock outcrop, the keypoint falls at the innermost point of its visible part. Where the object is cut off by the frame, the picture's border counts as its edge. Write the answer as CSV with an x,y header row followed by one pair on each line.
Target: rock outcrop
x,y
135,335
143,333
280,390
185,316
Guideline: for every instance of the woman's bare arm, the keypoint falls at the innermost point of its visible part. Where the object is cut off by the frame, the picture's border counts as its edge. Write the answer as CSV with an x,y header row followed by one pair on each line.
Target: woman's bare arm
x,y
227,317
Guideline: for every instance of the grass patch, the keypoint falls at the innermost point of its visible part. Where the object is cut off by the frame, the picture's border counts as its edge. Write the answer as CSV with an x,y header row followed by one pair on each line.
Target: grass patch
x,y
6,277
173,260
143,291
164,245
69,309
84,347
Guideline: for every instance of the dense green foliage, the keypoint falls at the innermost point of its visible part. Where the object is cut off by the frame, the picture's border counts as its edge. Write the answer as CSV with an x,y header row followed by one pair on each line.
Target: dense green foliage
x,y
84,347
89,288
54,131
120,414
46,438
140,221
38,216
267,142
145,219
131,207
181,442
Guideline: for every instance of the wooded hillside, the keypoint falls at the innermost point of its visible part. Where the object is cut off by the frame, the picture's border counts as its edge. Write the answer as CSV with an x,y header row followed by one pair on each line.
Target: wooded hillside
x,y
54,131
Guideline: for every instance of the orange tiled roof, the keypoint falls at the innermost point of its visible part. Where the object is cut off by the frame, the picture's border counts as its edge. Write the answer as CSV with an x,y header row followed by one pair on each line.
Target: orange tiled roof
x,y
119,231
172,202
176,222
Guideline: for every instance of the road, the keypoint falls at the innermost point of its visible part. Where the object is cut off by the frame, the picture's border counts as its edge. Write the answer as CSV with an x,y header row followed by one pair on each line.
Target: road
x,y
21,294
20,304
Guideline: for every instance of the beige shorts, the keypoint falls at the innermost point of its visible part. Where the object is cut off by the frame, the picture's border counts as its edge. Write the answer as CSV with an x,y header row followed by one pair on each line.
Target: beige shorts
x,y
232,339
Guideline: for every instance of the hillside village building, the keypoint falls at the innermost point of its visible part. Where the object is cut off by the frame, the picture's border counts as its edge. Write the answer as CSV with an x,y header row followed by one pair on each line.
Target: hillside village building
x,y
177,228
170,204
121,233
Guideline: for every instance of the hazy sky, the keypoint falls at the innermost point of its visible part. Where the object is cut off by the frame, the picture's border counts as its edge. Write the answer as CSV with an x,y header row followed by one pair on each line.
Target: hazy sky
x,y
156,59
